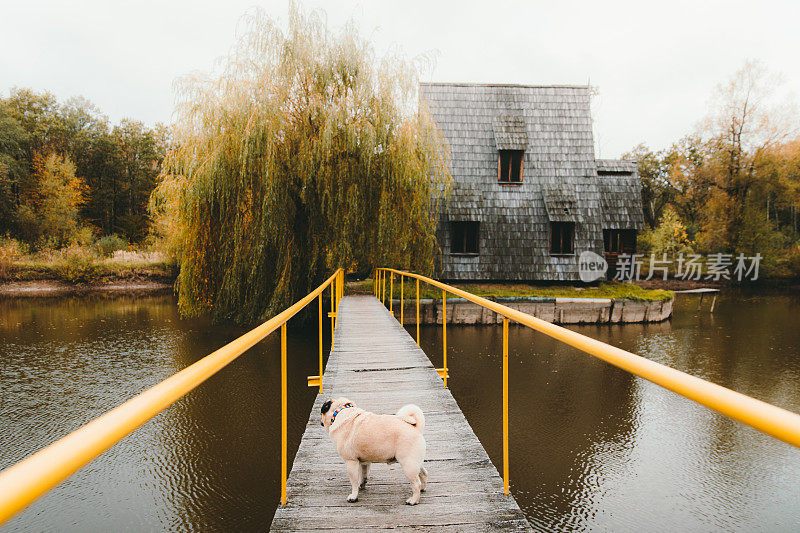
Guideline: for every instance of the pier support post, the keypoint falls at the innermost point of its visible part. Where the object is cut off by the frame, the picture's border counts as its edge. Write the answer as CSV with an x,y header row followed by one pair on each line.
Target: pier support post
x,y
284,395
444,336
417,311
319,320
402,301
332,314
505,405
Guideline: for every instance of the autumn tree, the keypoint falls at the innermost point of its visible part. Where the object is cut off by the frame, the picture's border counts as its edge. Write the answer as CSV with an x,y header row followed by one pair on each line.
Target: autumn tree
x,y
13,165
744,126
119,164
306,154
51,209
657,191
735,183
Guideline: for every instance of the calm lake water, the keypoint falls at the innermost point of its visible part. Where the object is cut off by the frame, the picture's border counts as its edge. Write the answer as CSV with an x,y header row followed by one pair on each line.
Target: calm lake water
x,y
210,462
591,447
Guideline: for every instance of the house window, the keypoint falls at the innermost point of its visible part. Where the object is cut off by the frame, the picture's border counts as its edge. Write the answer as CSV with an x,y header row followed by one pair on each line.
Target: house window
x,y
509,166
562,238
619,241
464,237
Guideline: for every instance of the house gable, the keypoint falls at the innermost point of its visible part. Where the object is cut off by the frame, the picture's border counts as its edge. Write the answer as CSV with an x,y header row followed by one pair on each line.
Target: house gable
x,y
559,182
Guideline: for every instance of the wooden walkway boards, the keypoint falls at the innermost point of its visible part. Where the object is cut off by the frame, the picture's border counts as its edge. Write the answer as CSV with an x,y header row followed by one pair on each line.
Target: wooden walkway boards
x,y
377,365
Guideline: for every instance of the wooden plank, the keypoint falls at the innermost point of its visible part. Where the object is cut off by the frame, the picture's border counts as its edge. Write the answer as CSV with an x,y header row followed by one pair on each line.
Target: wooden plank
x,y
696,291
379,366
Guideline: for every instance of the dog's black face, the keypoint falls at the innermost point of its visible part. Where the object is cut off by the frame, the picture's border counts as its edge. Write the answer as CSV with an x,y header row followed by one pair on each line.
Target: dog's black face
x,y
325,408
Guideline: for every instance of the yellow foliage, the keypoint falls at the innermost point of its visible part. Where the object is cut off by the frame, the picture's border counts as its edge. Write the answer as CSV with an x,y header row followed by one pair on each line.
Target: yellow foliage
x,y
51,205
306,154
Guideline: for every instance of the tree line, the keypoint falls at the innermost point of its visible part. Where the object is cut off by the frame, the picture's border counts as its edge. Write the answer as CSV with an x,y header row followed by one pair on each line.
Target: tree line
x,y
68,175
734,184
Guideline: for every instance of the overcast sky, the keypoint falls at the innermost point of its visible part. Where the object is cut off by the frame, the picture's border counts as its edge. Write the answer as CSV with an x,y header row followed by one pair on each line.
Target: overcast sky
x,y
654,63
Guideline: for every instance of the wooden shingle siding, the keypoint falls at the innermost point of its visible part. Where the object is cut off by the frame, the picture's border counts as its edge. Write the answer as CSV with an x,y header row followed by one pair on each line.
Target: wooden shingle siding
x,y
620,194
559,170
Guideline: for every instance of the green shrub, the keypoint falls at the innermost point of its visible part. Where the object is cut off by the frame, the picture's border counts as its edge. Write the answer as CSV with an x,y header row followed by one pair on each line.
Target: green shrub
x,y
780,263
669,237
10,251
109,244
83,235
78,265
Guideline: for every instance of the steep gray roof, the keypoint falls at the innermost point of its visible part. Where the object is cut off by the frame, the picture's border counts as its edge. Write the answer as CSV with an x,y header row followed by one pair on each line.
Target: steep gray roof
x,y
559,183
615,166
510,132
561,203
620,194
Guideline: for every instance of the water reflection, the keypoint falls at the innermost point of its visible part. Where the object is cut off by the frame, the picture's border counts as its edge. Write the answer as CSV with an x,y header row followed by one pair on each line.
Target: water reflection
x,y
209,462
595,449
591,447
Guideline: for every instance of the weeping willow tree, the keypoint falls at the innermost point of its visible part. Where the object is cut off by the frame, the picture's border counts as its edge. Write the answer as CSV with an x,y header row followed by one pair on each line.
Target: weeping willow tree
x,y
306,153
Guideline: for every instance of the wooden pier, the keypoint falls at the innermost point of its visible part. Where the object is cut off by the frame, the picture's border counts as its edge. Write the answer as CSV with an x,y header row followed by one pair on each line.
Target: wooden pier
x,y
376,364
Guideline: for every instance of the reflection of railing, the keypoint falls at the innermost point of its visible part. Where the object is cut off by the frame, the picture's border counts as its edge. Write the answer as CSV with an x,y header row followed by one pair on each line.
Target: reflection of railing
x,y
24,482
767,418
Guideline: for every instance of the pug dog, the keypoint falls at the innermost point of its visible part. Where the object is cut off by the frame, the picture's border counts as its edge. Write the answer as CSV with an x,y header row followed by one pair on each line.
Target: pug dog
x,y
363,438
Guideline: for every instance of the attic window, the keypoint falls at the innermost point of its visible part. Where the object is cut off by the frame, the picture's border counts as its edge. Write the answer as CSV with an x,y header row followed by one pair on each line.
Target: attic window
x,y
464,237
509,166
562,238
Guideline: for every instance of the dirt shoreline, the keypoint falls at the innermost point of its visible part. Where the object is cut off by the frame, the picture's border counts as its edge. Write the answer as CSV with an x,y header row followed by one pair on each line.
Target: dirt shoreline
x,y
144,285
682,285
49,288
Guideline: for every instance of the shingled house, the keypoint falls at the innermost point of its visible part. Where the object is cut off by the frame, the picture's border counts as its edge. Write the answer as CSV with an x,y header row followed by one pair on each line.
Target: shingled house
x,y
528,195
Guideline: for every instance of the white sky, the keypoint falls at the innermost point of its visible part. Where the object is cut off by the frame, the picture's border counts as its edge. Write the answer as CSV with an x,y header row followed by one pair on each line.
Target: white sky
x,y
655,63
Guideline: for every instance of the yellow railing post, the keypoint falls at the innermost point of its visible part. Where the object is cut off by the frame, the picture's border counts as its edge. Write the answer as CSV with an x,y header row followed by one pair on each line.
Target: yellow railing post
x,y
402,300
383,287
341,287
505,405
391,292
332,314
319,316
417,312
284,396
444,336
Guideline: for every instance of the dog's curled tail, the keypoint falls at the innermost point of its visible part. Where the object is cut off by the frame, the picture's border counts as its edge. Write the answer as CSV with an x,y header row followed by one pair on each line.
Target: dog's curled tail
x,y
413,415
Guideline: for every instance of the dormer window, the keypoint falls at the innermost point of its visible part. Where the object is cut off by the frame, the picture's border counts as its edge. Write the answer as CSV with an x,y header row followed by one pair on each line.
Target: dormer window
x,y
509,166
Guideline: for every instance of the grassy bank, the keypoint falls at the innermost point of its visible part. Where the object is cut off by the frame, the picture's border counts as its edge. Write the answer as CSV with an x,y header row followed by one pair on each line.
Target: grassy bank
x,y
85,264
521,290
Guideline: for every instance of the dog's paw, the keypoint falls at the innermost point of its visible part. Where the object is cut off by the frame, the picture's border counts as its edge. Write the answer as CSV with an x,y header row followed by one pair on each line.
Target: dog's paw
x,y
409,502
352,500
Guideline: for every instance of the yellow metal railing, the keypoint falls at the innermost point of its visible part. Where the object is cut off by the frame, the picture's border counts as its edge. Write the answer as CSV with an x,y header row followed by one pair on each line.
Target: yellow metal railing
x,y
26,481
774,421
